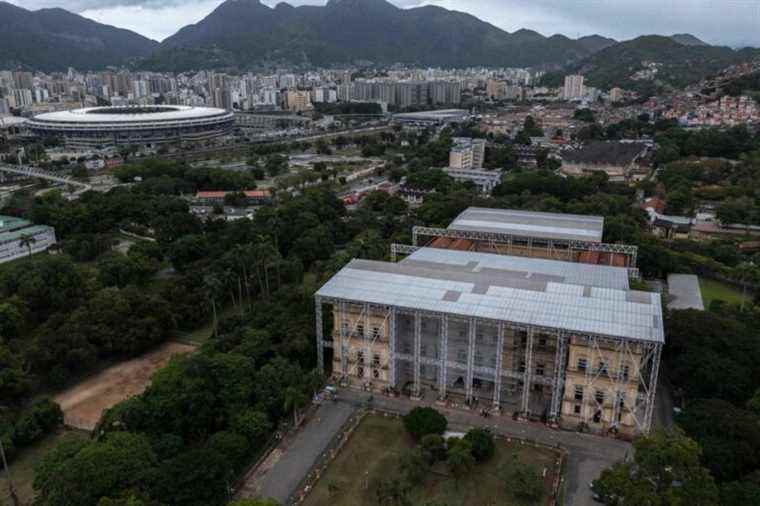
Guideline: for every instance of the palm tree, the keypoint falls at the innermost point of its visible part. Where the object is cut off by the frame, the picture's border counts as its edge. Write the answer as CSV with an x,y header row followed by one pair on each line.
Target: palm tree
x,y
294,399
460,460
213,288
27,241
747,274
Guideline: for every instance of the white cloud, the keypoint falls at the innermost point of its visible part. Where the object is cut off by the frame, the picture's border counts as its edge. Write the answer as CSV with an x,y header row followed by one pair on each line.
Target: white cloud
x,y
730,22
156,22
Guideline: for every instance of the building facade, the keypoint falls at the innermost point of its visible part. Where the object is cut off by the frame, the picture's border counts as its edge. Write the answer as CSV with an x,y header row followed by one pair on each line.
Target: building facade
x,y
19,238
539,339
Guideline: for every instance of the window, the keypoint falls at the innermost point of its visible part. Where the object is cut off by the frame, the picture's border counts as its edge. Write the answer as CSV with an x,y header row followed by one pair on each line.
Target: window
x,y
360,329
542,342
522,366
599,396
603,367
376,360
578,393
577,409
375,332
462,356
344,327
539,369
360,356
625,371
582,364
360,372
376,374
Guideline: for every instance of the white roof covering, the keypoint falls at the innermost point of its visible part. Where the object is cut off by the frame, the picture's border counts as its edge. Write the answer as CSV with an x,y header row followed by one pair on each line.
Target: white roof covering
x,y
556,226
89,115
526,291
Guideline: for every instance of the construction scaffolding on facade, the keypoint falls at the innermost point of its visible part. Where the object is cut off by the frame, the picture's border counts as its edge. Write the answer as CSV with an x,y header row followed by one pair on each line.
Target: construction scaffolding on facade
x,y
568,343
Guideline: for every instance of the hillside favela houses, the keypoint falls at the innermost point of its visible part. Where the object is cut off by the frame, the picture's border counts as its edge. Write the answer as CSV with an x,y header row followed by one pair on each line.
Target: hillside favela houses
x,y
20,238
503,311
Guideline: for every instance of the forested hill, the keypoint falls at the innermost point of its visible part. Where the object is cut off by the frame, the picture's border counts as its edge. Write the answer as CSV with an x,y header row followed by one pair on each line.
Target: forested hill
x,y
677,63
244,33
55,39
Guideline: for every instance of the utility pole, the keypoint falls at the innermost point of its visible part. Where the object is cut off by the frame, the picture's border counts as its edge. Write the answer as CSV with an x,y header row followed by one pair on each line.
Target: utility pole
x,y
11,490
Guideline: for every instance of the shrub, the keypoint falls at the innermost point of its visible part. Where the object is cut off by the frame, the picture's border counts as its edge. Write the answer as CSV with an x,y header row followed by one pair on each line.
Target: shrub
x,y
434,447
481,440
423,421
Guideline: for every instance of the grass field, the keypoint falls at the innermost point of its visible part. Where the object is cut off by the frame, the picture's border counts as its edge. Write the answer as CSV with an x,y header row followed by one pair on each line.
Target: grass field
x,y
22,468
715,290
371,455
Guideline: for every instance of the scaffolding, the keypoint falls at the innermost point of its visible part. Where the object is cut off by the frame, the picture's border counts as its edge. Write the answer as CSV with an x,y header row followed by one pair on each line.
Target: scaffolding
x,y
472,359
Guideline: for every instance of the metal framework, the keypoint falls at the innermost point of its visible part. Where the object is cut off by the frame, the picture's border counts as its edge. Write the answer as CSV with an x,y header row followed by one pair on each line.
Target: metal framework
x,y
643,358
401,249
500,238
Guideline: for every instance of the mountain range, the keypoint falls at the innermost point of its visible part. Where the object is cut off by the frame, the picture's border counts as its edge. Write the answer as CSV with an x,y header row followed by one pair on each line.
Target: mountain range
x,y
246,34
54,39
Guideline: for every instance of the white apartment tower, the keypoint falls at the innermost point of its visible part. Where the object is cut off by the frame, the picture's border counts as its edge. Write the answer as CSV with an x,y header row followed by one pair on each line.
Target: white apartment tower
x,y
574,88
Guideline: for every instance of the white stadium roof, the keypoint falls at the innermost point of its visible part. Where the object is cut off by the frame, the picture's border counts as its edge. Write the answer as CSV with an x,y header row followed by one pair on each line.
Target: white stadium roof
x,y
581,298
127,114
530,224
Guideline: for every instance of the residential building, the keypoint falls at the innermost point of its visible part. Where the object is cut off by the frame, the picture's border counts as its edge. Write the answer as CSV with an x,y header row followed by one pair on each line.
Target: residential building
x,y
467,153
574,88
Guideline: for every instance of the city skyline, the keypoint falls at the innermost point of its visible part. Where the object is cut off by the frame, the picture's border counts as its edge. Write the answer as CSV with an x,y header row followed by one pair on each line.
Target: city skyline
x,y
711,21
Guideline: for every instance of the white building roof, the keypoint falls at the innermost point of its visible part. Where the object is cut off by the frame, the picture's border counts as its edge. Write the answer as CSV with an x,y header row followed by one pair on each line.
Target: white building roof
x,y
530,224
578,298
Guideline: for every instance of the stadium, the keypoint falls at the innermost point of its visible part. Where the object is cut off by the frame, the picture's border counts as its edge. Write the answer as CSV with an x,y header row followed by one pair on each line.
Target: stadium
x,y
95,127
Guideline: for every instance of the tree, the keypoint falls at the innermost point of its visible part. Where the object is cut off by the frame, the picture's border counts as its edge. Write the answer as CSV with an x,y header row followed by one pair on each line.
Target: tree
x,y
433,447
523,481
481,441
27,241
459,459
414,466
665,471
80,473
393,492
422,421
294,399
254,425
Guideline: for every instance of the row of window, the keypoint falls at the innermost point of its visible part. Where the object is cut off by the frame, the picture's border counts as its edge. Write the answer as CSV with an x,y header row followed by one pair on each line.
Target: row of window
x,y
599,395
582,365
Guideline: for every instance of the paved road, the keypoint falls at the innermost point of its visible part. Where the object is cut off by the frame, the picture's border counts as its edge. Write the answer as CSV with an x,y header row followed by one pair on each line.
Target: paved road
x,y
587,456
301,452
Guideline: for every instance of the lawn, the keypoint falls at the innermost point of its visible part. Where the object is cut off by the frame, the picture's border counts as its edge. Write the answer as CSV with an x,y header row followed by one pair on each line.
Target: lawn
x,y
716,290
22,468
371,456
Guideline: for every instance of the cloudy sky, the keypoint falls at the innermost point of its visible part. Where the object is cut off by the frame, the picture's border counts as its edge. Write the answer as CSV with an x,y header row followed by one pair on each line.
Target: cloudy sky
x,y
729,22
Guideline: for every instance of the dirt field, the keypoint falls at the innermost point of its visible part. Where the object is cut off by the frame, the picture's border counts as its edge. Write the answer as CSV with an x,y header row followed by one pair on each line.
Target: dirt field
x,y
83,404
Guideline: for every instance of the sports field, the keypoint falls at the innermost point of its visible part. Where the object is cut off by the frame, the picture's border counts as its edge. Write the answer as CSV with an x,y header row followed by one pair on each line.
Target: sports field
x,y
371,455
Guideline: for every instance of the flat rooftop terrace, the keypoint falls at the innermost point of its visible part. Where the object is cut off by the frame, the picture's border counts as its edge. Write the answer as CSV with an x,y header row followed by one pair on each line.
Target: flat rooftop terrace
x,y
582,298
550,226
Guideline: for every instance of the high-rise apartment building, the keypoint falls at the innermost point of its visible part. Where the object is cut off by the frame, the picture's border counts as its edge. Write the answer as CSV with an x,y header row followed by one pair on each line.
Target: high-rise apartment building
x,y
467,153
574,88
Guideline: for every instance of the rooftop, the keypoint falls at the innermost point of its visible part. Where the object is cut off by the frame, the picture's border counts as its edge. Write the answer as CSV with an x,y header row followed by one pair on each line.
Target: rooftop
x,y
608,153
130,114
587,299
8,223
530,224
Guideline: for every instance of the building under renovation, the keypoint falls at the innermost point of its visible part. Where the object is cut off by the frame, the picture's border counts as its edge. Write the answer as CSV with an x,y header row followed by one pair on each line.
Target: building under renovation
x,y
568,237
566,342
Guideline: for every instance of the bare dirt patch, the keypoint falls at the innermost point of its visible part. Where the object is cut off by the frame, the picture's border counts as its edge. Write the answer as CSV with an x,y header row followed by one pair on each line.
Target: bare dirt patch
x,y
83,404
